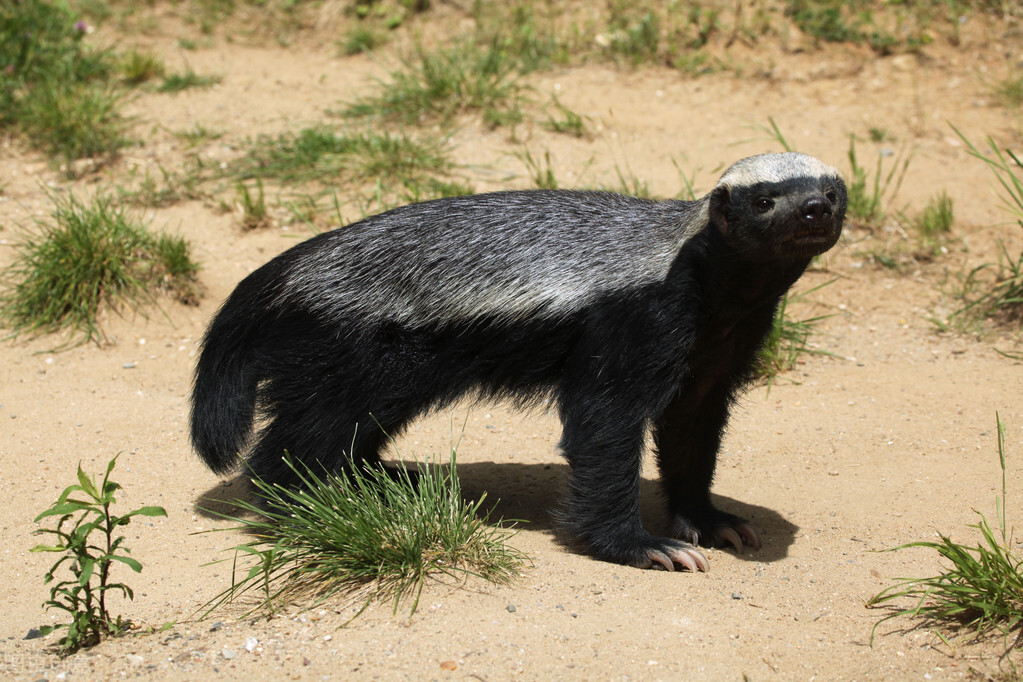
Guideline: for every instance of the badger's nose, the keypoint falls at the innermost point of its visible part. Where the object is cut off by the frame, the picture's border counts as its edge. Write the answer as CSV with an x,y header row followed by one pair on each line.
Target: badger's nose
x,y
815,210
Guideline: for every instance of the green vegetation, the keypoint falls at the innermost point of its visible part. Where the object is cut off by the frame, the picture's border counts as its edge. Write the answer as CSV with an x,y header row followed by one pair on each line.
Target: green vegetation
x,y
91,255
84,537
56,90
186,80
141,67
566,122
869,193
999,296
981,590
391,530
400,163
789,339
253,205
935,222
436,86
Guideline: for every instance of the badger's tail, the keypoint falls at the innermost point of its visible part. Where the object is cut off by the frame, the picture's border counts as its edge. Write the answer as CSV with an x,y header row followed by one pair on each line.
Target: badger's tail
x,y
226,379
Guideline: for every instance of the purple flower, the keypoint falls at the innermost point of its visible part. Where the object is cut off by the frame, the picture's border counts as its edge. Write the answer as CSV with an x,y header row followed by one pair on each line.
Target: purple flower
x,y
81,26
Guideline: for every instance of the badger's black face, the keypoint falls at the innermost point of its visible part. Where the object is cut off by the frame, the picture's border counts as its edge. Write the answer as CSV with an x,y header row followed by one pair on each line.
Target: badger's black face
x,y
794,219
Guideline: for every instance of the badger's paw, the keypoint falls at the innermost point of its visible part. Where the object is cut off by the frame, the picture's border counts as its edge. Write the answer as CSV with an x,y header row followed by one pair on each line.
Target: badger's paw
x,y
663,553
715,528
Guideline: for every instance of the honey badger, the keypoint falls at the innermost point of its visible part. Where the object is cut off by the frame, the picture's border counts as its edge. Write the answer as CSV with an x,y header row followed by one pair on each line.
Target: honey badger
x,y
624,314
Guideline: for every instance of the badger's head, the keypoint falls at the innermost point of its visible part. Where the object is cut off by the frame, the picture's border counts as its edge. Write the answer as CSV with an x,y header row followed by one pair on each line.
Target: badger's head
x,y
779,207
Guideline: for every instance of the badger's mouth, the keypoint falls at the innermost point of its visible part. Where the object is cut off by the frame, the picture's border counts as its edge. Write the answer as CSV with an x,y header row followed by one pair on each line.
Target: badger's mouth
x,y
810,242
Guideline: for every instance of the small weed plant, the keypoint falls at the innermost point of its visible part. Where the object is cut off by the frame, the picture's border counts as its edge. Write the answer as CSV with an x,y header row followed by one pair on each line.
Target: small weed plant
x,y
342,532
981,590
93,254
789,339
254,213
999,297
186,80
868,192
86,538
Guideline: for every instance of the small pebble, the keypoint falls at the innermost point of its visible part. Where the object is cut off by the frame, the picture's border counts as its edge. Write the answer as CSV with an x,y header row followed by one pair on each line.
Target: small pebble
x,y
251,643
228,653
216,626
33,633
134,660
511,608
736,595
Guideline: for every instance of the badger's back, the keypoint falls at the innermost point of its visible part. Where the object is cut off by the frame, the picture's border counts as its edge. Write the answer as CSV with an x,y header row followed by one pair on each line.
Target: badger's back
x,y
506,255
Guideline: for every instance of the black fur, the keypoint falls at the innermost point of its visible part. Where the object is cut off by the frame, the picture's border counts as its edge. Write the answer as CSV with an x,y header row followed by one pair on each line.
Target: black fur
x,y
297,349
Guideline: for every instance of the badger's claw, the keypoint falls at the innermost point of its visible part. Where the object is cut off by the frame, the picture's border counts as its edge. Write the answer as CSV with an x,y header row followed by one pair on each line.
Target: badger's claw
x,y
714,528
671,553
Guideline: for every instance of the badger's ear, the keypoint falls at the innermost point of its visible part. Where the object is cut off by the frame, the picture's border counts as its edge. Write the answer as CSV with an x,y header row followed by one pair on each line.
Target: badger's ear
x,y
719,199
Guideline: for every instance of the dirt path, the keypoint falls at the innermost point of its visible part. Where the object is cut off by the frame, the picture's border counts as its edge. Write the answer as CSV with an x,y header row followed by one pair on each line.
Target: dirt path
x,y
887,441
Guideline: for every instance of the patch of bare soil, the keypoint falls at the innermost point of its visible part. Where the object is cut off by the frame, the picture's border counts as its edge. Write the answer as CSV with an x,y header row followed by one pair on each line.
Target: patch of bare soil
x,y
888,439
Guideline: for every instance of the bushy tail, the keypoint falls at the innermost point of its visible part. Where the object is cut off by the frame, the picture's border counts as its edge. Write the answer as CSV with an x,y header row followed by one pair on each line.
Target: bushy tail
x,y
224,389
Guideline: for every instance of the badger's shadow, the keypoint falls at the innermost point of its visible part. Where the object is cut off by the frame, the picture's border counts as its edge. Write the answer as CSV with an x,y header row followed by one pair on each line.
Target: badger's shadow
x,y
529,494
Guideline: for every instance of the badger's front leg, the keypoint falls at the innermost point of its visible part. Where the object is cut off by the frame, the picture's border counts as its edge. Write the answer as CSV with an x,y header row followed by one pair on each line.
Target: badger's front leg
x,y
603,443
687,437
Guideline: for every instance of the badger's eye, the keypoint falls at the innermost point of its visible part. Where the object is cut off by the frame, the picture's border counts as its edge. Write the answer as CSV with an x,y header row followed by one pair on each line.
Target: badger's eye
x,y
763,204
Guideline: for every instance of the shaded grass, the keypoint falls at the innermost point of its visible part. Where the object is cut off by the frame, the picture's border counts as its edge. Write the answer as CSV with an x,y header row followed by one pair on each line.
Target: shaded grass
x,y
391,531
186,80
980,590
90,256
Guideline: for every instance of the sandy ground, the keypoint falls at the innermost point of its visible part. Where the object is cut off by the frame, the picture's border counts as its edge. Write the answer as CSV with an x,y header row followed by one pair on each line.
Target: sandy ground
x,y
888,440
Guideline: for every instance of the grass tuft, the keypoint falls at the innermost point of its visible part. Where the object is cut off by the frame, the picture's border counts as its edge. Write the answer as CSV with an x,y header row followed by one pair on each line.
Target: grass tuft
x,y
789,339
981,590
430,86
91,255
868,194
343,532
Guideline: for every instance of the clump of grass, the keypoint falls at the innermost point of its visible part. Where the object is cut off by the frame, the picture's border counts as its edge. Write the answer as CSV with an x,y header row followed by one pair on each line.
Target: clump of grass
x,y
566,121
789,339
187,80
540,171
869,192
430,86
57,90
321,153
342,532
1009,91
935,222
635,38
361,38
254,213
91,255
1002,297
139,67
981,590
84,511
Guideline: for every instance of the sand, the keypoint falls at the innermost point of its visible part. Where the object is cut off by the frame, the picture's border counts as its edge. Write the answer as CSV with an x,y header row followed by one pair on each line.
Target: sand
x,y
887,439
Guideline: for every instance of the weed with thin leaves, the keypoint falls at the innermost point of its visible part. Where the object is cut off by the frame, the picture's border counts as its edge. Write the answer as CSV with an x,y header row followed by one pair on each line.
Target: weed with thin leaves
x,y
85,537
361,39
935,222
139,67
566,122
254,213
92,254
869,193
982,589
788,339
1000,297
540,171
341,532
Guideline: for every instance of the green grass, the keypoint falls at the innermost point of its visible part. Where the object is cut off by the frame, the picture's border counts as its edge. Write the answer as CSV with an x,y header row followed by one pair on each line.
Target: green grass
x,y
253,206
57,90
935,221
982,587
995,290
1009,91
564,120
361,38
789,339
342,532
91,255
186,80
139,67
541,171
437,86
321,154
869,192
